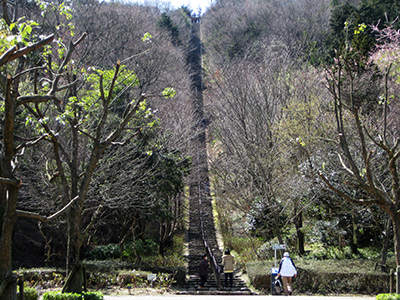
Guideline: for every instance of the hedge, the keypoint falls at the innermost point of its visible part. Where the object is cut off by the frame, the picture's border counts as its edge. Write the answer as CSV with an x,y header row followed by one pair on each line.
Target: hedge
x,y
71,296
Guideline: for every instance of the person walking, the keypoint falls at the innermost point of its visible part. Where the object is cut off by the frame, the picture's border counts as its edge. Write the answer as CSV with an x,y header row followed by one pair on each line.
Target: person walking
x,y
287,270
228,262
203,270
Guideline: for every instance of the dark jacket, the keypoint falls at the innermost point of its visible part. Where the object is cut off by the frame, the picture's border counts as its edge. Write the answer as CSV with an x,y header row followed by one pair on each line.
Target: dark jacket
x,y
203,269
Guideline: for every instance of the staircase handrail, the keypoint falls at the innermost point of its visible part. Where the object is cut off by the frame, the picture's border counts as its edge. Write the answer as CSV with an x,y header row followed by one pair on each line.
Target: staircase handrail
x,y
214,265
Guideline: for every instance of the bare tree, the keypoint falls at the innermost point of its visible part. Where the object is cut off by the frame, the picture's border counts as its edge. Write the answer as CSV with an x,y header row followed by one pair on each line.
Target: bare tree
x,y
245,105
246,30
365,111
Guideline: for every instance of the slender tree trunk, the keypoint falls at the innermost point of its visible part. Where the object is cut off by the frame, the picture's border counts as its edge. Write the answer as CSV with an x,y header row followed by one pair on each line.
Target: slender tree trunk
x,y
163,232
298,223
396,235
385,246
278,233
353,241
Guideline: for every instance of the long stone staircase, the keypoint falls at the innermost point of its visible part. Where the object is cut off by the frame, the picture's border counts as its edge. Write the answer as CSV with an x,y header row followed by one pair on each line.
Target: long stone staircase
x,y
202,237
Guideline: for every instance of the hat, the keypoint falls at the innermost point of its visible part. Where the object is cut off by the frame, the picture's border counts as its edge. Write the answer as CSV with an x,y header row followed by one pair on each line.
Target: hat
x,y
286,254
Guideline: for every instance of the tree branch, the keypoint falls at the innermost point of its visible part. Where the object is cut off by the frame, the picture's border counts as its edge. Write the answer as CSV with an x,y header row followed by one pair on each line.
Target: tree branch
x,y
128,140
344,165
344,195
5,58
31,143
12,182
36,99
32,215
27,71
85,133
95,216
13,54
54,88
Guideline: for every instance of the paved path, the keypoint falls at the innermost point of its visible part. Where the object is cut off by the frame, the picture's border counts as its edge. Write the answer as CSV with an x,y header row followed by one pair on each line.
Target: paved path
x,y
237,297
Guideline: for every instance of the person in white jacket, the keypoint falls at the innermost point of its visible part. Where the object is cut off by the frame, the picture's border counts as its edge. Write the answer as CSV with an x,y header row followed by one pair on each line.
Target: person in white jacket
x,y
287,270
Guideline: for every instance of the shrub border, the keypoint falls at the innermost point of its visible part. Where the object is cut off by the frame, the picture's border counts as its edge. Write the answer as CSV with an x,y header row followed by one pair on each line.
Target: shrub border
x,y
57,295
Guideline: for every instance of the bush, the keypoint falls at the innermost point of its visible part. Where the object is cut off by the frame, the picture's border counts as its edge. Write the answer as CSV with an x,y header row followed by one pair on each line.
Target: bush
x,y
44,278
325,277
110,251
178,245
387,297
143,249
168,261
70,296
29,294
245,248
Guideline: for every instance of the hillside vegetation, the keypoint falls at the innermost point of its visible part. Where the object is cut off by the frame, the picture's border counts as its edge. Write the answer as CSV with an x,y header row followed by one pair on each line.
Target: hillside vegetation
x,y
301,112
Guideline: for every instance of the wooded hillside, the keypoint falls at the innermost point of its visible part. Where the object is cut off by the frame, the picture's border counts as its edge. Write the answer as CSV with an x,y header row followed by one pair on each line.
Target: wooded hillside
x,y
302,128
301,103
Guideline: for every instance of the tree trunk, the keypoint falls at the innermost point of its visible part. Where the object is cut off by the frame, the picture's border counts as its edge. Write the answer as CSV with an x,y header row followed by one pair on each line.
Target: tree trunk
x,y
74,282
353,240
8,221
163,232
278,234
298,223
9,196
385,246
165,237
396,236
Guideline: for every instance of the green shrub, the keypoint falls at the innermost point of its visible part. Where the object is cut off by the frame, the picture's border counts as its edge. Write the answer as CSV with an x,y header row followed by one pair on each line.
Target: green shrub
x,y
110,251
387,297
168,261
245,248
143,249
325,277
146,248
178,245
71,296
29,294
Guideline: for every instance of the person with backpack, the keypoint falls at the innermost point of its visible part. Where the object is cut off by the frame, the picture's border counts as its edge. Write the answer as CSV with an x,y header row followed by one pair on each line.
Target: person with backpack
x,y
287,270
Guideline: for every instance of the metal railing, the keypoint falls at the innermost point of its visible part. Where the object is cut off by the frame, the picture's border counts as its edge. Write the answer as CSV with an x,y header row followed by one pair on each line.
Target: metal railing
x,y
213,262
214,266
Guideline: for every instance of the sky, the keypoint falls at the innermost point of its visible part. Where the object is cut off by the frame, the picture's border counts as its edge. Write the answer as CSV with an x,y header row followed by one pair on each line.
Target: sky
x,y
193,4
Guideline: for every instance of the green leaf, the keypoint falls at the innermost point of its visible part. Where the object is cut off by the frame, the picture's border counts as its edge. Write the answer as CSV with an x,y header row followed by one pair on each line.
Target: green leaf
x,y
146,37
169,92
